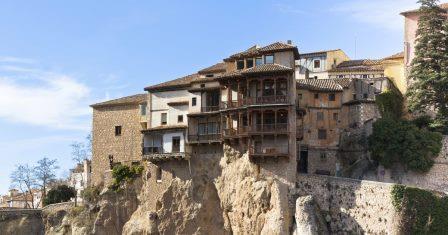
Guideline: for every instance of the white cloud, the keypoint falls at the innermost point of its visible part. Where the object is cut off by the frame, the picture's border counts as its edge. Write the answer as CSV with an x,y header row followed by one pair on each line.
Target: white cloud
x,y
380,13
43,98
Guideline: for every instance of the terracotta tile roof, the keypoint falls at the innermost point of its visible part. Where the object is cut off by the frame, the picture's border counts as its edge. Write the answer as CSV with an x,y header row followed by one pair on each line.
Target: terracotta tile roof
x,y
161,128
444,6
219,67
133,99
395,56
271,48
317,52
359,65
173,84
324,84
260,69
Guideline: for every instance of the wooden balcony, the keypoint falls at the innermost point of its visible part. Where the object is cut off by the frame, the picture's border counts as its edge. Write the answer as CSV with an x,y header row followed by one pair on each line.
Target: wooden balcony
x,y
230,133
269,128
207,109
269,151
274,99
157,154
204,138
230,105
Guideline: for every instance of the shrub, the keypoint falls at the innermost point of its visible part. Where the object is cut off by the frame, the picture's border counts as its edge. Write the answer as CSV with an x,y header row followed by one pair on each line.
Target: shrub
x,y
423,212
390,104
61,193
399,141
124,174
91,194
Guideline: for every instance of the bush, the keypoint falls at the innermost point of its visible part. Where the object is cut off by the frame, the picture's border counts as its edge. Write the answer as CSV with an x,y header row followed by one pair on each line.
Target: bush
x,y
91,194
124,174
61,193
390,104
423,212
399,141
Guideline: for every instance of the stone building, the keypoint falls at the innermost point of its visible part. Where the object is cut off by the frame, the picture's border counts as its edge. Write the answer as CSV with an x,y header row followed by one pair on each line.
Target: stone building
x,y
117,139
330,111
315,65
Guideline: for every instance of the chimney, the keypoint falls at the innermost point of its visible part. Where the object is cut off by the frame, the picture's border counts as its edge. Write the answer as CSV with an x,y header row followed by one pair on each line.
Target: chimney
x,y
289,42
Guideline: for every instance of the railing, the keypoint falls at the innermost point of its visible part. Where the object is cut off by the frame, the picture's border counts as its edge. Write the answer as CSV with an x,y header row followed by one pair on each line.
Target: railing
x,y
152,150
230,105
242,130
278,127
229,132
274,99
204,137
206,109
269,150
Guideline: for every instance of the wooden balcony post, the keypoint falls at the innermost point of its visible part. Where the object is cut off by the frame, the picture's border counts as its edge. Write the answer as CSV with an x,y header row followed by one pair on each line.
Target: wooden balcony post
x,y
275,88
275,119
262,120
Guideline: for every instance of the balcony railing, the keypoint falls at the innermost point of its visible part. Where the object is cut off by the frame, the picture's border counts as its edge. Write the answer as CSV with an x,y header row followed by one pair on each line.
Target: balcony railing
x,y
261,128
242,130
206,109
230,105
269,150
229,132
155,154
204,137
274,99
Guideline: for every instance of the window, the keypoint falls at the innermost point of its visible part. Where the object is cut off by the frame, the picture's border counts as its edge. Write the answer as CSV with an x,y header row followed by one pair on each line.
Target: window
x,y
322,134
365,95
269,59
320,116
316,95
193,101
323,156
335,116
202,85
340,76
249,63
240,64
143,109
317,64
365,76
163,119
258,61
335,62
159,174
209,75
354,96
332,97
300,96
315,77
117,130
176,144
180,118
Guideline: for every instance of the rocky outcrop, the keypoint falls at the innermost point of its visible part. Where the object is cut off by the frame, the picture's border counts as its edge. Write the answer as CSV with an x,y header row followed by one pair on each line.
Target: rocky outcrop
x,y
309,220
18,222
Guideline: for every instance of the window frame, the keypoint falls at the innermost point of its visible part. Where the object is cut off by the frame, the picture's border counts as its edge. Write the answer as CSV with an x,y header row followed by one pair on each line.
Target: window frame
x,y
180,118
163,116
258,61
193,101
320,116
332,97
318,61
322,134
247,62
238,63
270,55
118,130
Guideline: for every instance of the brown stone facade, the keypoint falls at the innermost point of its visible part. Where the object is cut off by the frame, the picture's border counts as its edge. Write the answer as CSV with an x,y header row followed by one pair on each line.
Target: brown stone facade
x,y
125,147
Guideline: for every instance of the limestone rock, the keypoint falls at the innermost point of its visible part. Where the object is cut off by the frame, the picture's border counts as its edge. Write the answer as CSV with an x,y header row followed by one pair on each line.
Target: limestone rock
x,y
309,220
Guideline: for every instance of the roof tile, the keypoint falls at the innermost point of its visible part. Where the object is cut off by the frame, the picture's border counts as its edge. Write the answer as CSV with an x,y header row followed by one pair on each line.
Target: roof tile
x,y
133,99
323,84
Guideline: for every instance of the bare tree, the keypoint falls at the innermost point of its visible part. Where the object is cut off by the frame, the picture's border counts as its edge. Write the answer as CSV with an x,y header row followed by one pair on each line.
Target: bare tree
x,y
82,151
23,178
45,173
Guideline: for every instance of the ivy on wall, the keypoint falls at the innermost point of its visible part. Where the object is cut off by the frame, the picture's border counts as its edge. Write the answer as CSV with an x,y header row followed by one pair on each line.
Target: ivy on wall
x,y
422,212
123,174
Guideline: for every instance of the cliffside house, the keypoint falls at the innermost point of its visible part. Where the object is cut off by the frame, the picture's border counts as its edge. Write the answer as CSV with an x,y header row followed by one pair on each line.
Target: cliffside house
x,y
315,65
80,178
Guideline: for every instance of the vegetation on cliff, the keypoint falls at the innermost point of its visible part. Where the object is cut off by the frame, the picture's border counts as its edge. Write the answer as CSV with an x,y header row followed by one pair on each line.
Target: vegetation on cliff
x,y
61,193
123,174
422,212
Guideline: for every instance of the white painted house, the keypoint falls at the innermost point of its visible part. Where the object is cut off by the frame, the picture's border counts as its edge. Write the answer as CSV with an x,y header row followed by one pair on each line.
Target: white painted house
x,y
315,65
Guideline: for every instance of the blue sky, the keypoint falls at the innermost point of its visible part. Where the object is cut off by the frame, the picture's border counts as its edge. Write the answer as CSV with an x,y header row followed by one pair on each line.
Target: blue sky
x,y
57,57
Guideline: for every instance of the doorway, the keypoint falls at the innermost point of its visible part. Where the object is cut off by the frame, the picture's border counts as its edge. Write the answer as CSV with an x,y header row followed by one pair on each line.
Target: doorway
x,y
302,166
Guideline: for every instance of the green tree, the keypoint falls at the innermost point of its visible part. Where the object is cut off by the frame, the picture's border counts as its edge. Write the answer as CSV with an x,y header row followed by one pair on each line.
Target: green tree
x,y
429,71
399,141
61,193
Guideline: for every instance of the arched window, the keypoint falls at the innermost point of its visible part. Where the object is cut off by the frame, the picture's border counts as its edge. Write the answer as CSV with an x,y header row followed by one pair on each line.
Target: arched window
x,y
282,86
268,89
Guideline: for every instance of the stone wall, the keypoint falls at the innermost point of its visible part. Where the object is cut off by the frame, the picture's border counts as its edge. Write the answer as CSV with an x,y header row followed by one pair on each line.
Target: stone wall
x,y
351,206
124,148
435,179
21,221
